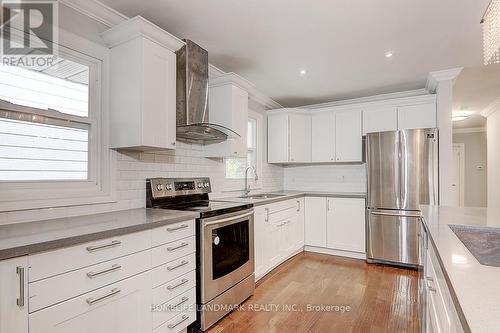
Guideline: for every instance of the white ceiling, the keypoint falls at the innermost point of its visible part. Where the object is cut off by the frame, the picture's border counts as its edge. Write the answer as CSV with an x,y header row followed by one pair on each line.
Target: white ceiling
x,y
340,43
474,90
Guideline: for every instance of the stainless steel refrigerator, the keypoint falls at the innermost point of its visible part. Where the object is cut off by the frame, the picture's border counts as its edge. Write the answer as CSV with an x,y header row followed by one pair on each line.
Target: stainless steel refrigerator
x,y
402,169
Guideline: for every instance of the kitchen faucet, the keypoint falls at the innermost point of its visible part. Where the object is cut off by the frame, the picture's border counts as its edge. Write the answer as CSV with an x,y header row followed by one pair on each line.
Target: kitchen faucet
x,y
247,187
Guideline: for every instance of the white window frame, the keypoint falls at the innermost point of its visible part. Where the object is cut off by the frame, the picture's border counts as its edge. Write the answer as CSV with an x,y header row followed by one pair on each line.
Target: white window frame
x,y
238,184
100,185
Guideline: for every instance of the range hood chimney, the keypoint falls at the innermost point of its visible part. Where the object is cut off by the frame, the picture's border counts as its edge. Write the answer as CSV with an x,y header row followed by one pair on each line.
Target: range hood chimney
x,y
193,124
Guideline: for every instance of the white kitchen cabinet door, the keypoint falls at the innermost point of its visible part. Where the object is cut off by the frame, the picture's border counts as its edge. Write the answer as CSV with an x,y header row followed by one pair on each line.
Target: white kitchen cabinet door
x,y
348,136
274,244
228,105
323,136
277,138
120,307
143,86
380,119
417,116
346,224
300,137
288,236
14,295
315,221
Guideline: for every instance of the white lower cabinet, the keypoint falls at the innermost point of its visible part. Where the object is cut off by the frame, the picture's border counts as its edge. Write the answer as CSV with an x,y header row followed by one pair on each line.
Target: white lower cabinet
x,y
14,295
441,315
336,224
109,285
279,233
120,307
345,226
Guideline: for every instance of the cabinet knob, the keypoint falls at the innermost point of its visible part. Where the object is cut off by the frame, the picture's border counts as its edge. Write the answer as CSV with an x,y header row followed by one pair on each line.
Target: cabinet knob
x,y
173,143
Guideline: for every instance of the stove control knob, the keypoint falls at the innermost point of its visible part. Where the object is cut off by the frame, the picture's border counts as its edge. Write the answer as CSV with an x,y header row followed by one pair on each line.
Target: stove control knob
x,y
169,187
207,184
200,185
159,187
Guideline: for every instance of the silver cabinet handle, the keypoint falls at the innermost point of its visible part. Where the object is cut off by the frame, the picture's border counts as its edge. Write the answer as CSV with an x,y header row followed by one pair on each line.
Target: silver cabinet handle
x,y
182,226
233,218
428,281
113,292
183,300
113,268
173,268
175,286
20,300
183,319
395,214
267,215
103,246
298,203
173,248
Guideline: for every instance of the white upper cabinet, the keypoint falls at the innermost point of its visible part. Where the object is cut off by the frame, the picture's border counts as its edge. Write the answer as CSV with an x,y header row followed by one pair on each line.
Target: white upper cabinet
x,y
228,106
277,138
348,136
142,85
323,136
417,116
300,138
380,119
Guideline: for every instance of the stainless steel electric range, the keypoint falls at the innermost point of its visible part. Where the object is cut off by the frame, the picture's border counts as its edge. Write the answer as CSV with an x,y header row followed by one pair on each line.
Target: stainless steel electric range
x,y
224,243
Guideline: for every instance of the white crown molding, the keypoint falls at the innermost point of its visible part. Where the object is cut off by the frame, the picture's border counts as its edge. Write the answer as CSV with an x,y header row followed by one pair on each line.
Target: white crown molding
x,y
257,96
434,78
230,78
214,71
469,130
491,108
370,99
97,11
140,27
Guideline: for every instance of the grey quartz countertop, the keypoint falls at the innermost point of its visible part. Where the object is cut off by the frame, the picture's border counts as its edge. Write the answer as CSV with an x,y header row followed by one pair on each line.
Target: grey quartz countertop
x,y
32,237
286,195
474,287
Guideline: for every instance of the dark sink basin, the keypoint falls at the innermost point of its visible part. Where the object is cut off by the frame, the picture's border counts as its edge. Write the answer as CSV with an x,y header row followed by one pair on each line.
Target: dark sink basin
x,y
482,242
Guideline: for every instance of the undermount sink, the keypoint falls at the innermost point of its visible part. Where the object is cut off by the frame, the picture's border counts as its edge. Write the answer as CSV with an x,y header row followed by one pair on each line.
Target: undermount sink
x,y
263,196
482,242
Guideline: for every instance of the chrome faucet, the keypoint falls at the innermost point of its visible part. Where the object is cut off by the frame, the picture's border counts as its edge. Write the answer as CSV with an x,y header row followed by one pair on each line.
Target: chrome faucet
x,y
247,187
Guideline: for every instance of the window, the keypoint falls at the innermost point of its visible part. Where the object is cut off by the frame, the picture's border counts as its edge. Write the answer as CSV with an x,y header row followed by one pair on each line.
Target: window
x,y
54,148
44,122
235,167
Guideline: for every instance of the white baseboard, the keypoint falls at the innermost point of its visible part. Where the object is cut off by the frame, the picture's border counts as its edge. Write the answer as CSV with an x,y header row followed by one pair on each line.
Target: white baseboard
x,y
332,252
260,275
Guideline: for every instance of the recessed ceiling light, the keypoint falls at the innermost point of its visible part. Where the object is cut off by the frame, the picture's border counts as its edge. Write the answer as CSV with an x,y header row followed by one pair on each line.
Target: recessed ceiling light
x,y
303,72
389,54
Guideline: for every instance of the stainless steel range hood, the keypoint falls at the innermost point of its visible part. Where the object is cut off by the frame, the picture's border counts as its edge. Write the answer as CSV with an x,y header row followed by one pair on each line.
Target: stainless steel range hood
x,y
192,98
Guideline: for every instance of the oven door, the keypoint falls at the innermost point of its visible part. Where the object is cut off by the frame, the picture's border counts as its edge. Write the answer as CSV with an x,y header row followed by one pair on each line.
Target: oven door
x,y
226,252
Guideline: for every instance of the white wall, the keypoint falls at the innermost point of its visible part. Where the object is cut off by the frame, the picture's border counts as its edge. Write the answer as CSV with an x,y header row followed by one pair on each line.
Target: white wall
x,y
493,139
475,187
330,178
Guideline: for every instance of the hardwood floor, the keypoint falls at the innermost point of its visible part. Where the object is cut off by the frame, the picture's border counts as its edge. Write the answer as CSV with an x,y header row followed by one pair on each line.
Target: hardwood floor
x,y
369,298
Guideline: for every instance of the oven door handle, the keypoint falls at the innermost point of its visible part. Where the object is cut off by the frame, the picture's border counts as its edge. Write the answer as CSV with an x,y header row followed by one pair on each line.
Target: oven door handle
x,y
237,217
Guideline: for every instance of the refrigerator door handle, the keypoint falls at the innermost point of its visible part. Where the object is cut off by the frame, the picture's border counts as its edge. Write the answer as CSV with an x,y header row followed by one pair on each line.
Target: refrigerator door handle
x,y
398,214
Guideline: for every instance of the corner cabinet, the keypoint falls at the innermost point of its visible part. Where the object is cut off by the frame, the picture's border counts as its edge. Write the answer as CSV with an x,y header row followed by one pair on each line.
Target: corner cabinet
x,y
142,85
279,233
289,136
14,295
228,106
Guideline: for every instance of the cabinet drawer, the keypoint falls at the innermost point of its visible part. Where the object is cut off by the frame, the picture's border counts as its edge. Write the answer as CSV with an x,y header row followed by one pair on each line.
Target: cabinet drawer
x,y
55,262
173,250
172,232
58,288
120,307
178,323
173,288
436,292
166,311
173,269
